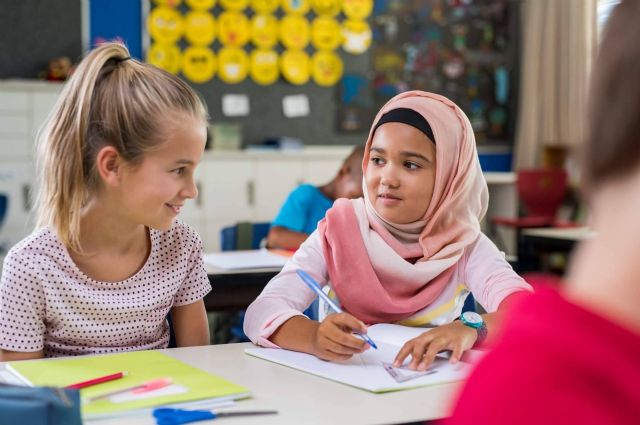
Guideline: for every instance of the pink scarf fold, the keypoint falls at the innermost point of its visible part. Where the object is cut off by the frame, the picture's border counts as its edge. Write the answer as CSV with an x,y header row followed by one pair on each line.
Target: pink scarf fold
x,y
367,257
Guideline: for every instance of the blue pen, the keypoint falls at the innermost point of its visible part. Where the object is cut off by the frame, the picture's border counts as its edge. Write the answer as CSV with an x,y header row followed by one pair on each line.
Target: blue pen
x,y
316,288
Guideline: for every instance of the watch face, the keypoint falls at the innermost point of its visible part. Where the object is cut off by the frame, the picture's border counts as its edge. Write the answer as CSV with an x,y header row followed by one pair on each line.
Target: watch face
x,y
472,317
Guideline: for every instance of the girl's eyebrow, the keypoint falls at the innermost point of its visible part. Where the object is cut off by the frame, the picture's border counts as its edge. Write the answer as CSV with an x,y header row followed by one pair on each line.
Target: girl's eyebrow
x,y
184,162
415,155
407,154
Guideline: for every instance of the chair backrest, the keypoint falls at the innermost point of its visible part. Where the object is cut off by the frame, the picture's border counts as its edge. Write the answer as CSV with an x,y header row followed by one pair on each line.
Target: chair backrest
x,y
4,204
541,191
243,235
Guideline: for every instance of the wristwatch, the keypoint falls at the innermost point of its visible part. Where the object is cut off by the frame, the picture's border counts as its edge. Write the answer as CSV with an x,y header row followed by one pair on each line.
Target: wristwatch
x,y
474,320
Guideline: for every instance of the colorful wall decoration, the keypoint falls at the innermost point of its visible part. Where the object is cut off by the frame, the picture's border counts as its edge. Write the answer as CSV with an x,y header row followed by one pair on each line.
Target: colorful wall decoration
x,y
264,40
463,49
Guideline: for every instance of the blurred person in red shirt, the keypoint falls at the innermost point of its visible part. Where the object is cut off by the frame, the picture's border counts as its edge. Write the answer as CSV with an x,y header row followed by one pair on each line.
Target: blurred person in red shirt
x,y
574,356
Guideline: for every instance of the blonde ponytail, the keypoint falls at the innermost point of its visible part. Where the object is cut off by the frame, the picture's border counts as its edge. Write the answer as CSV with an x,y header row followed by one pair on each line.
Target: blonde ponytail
x,y
110,100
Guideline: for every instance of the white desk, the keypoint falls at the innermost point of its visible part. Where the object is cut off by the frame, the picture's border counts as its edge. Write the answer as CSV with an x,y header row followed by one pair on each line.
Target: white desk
x,y
574,234
301,398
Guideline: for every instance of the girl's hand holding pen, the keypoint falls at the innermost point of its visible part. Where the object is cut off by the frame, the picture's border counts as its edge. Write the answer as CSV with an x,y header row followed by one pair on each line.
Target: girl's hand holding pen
x,y
334,337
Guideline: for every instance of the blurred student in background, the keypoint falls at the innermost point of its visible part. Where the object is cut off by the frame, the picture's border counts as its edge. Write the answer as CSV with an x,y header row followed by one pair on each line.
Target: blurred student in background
x,y
307,204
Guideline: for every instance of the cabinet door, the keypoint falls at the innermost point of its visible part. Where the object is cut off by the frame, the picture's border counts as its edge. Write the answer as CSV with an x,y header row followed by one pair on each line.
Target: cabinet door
x,y
273,182
227,193
192,212
320,171
16,218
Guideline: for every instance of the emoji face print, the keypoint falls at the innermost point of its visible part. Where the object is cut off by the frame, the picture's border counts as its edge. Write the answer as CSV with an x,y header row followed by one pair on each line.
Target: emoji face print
x,y
200,28
165,25
169,3
201,4
198,64
356,36
294,32
295,66
165,56
264,67
233,29
325,33
264,6
234,65
327,68
264,31
326,7
234,5
298,7
357,9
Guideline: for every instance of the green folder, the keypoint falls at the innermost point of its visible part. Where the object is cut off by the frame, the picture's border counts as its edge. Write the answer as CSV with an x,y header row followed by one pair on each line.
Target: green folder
x,y
141,367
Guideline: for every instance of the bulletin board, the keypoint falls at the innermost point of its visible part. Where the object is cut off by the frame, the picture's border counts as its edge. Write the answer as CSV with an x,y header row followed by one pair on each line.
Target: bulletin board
x,y
466,50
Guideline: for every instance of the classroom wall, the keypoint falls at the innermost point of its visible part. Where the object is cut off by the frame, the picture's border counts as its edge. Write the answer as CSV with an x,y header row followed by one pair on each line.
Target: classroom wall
x,y
34,31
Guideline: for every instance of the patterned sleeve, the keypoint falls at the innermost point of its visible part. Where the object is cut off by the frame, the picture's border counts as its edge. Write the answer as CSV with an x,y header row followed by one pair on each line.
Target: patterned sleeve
x,y
196,284
22,306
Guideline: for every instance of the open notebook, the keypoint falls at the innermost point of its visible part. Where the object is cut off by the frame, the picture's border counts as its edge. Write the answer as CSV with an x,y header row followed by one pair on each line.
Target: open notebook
x,y
189,384
367,370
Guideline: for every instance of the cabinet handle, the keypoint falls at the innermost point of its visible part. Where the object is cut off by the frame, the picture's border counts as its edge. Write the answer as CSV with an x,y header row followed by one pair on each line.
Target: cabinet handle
x,y
250,192
199,197
26,197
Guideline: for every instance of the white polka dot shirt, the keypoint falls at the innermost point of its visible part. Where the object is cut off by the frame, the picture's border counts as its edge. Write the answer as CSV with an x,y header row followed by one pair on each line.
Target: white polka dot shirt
x,y
47,303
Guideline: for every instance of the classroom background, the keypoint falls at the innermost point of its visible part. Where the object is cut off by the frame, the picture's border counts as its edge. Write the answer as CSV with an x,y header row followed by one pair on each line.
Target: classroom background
x,y
291,86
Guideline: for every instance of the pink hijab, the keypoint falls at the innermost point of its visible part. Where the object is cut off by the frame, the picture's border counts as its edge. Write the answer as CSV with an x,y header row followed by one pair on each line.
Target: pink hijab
x,y
367,256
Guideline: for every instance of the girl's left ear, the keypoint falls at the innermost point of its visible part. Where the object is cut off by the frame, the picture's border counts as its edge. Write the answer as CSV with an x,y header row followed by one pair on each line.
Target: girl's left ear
x,y
109,165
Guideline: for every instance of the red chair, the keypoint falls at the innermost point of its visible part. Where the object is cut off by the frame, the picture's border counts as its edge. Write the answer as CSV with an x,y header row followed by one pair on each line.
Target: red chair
x,y
540,192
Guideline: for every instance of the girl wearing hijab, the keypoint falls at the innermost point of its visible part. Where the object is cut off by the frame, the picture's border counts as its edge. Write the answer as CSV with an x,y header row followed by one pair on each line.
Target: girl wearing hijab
x,y
409,252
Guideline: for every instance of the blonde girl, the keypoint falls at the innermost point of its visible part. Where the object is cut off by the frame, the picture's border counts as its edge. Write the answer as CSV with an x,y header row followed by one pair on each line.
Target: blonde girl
x,y
108,260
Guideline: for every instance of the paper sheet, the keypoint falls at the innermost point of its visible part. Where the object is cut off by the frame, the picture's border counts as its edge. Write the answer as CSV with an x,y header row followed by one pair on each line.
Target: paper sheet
x,y
235,260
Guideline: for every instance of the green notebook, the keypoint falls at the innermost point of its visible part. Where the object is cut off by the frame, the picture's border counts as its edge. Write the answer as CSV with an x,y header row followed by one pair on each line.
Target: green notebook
x,y
141,366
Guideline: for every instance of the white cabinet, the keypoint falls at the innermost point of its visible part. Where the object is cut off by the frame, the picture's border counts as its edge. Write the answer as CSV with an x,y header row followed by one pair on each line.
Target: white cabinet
x,y
16,219
274,180
251,186
24,106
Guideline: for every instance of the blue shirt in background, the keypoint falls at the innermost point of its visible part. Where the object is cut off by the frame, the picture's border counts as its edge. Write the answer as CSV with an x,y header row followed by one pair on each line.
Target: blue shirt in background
x,y
304,208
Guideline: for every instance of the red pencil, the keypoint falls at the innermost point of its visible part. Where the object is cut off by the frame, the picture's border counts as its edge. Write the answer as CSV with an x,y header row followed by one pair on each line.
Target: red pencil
x,y
96,381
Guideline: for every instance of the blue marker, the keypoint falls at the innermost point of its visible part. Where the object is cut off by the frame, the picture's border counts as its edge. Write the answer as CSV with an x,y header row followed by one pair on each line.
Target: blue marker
x,y
316,288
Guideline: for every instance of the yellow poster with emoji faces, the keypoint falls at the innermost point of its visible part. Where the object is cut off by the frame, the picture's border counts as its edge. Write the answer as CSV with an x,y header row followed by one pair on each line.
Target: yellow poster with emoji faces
x,y
295,66
264,31
298,7
294,32
326,68
356,36
264,6
357,9
165,25
165,56
201,4
264,67
326,33
168,3
233,65
199,28
326,7
233,29
234,5
198,64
